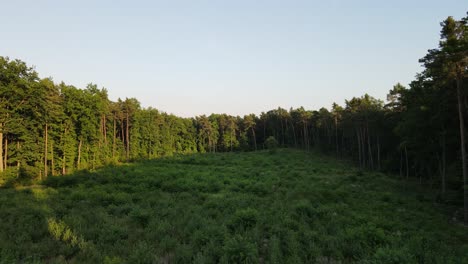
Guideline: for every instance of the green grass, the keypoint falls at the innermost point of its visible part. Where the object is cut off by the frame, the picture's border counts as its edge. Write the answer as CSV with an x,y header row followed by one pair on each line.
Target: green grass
x,y
288,206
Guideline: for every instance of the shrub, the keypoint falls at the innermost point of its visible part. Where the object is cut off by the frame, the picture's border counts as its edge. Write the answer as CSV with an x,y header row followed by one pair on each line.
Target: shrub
x,y
243,219
240,250
392,256
271,144
304,209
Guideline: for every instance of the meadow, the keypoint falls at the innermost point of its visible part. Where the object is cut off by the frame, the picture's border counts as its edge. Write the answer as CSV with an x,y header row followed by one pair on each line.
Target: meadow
x,y
284,206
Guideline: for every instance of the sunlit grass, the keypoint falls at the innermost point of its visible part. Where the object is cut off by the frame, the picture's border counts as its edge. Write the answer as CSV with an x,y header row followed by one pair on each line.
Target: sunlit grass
x,y
285,207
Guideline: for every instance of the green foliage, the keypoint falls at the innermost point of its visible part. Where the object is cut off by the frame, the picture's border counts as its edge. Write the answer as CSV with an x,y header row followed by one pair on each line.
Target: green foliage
x,y
271,143
286,207
244,219
240,250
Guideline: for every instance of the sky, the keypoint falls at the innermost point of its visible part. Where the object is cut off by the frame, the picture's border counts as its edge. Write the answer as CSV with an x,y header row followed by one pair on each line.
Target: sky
x,y
236,57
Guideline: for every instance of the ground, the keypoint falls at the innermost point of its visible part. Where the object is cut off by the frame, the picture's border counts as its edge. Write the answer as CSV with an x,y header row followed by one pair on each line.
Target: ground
x,y
287,206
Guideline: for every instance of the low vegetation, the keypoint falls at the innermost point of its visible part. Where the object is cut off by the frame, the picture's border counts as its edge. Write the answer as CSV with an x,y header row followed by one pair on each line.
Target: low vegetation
x,y
283,206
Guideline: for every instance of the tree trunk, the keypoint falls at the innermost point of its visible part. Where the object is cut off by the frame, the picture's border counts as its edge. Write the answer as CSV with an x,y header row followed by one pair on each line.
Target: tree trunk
x,y
359,147
113,139
294,134
378,153
363,147
444,171
336,136
343,147
6,152
306,136
463,150
149,149
79,153
209,144
17,150
64,164
127,136
1,147
122,134
407,163
45,151
442,162
282,132
231,138
254,138
371,160
401,164
52,165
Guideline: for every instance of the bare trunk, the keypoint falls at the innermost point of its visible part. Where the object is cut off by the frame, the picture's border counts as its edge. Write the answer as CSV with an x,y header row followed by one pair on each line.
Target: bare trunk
x,y
6,152
378,152
342,144
232,130
52,165
294,135
209,144
286,131
362,147
149,150
442,162
17,150
463,150
122,134
113,139
79,154
444,171
282,132
306,137
359,147
407,163
363,141
371,160
45,151
401,164
127,136
254,138
336,136
1,147
64,163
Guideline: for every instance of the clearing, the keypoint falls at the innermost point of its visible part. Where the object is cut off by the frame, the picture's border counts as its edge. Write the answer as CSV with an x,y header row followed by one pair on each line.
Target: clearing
x,y
289,206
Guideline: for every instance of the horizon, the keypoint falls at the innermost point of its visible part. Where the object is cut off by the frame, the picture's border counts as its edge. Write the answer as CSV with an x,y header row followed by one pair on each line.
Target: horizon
x,y
191,59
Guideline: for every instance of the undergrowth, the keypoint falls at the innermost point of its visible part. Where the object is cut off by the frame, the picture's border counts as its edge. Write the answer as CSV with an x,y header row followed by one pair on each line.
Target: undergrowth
x,y
286,206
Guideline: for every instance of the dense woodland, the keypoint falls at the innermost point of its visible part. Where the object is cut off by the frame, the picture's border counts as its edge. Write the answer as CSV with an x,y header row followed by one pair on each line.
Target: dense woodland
x,y
49,129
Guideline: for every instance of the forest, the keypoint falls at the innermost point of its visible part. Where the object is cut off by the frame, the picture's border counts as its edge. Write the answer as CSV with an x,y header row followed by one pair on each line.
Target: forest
x,y
417,134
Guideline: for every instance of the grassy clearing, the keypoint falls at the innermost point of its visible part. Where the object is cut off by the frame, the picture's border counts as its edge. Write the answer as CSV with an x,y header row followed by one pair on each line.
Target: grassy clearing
x,y
284,207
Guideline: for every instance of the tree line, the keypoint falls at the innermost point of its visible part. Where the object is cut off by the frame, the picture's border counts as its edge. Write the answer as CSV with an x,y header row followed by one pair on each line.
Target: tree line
x,y
49,128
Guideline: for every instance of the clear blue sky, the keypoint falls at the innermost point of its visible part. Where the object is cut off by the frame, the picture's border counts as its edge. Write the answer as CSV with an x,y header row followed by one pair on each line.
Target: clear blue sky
x,y
237,57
